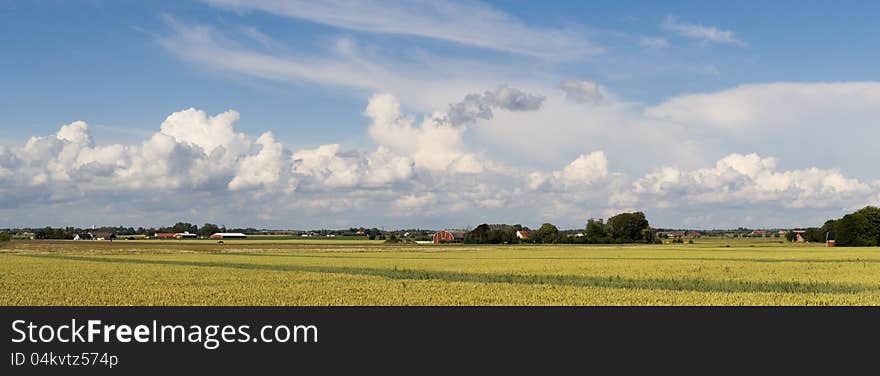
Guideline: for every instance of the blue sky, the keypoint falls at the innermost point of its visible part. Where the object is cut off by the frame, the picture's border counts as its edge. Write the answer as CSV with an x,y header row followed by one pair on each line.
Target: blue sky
x,y
100,60
670,93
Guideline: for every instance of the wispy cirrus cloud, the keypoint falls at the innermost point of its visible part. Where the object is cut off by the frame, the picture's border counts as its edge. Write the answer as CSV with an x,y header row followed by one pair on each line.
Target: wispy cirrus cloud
x,y
462,22
702,33
423,79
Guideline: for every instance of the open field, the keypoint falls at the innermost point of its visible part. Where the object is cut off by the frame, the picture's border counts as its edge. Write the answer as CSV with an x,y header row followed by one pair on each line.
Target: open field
x,y
257,239
325,272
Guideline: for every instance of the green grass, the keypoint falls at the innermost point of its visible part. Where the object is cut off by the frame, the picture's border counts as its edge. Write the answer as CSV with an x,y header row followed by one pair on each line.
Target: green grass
x,y
253,272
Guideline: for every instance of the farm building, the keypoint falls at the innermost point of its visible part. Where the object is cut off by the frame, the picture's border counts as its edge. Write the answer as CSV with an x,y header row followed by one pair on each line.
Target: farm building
x,y
83,236
481,232
104,236
185,235
524,234
448,236
165,235
228,235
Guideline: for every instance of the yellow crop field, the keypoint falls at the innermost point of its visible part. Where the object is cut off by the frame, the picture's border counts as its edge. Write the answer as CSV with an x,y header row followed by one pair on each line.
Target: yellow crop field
x,y
717,272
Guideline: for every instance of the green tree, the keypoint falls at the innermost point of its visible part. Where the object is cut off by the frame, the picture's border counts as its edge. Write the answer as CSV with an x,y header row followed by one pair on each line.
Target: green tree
x,y
595,231
650,236
185,227
814,235
5,236
546,234
872,213
208,229
861,228
627,227
856,230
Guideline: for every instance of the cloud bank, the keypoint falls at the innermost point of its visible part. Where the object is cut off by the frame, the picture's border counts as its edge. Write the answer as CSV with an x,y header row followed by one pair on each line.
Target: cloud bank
x,y
421,173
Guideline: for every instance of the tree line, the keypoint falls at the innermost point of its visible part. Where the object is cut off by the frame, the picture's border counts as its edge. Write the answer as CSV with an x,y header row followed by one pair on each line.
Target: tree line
x,y
858,229
205,230
69,232
622,228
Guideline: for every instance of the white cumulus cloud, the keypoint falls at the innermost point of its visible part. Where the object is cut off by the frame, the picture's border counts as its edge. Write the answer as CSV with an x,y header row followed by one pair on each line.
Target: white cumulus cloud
x,y
737,179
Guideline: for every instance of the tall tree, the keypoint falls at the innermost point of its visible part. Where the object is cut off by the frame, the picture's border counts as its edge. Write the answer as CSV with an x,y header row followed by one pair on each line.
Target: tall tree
x,y
208,229
185,227
627,227
546,234
856,230
595,231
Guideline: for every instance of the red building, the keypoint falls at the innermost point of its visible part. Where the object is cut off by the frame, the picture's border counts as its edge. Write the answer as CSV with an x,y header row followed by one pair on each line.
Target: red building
x,y
448,236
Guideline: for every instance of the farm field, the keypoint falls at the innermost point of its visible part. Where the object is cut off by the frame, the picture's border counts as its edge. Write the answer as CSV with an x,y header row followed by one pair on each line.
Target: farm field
x,y
344,272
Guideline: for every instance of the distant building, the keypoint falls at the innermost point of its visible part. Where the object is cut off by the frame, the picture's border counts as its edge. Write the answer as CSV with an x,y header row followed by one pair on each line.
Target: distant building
x,y
449,236
104,236
25,235
693,234
175,235
83,236
523,234
758,233
228,235
185,235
